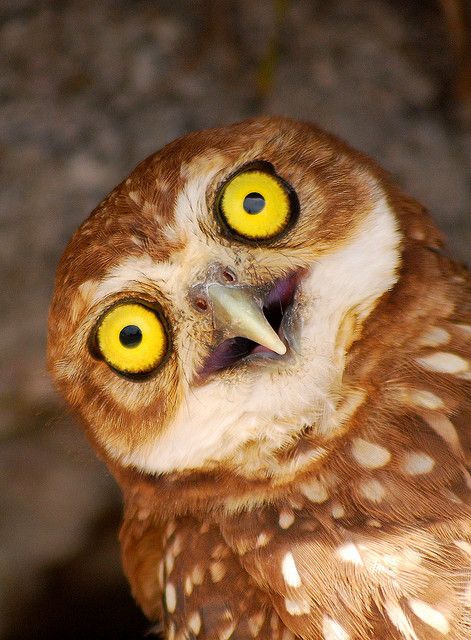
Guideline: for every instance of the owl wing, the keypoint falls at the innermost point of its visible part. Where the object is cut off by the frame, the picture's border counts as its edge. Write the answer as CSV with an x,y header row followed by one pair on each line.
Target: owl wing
x,y
363,582
142,552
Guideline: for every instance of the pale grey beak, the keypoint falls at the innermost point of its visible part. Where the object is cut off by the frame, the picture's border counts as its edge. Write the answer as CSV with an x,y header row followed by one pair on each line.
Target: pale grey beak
x,y
236,311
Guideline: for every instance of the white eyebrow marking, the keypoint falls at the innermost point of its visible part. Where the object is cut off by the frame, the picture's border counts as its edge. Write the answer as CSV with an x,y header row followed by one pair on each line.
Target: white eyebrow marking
x,y
131,270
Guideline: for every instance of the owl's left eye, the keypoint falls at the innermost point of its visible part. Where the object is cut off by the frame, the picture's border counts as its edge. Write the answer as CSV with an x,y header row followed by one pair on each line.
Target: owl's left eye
x,y
132,338
256,205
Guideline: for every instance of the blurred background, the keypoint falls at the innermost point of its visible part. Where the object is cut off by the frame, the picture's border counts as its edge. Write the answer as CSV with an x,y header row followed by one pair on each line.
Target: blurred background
x,y
87,90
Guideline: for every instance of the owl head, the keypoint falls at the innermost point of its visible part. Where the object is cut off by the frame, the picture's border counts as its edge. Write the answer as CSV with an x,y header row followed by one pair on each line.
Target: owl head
x,y
204,314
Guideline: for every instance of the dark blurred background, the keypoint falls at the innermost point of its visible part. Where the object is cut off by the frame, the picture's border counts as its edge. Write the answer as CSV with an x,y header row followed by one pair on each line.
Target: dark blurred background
x,y
87,89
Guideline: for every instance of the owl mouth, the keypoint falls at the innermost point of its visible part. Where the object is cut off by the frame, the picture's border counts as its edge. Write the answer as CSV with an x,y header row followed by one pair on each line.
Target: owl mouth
x,y
277,304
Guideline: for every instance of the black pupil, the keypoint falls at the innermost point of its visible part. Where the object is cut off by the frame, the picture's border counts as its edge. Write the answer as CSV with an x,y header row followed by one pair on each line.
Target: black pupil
x,y
130,336
254,202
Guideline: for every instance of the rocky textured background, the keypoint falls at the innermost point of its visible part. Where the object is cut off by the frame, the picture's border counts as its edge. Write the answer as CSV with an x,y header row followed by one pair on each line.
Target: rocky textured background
x,y
87,89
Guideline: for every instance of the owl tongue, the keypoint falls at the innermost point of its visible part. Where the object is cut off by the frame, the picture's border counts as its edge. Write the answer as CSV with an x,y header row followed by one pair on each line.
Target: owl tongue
x,y
261,349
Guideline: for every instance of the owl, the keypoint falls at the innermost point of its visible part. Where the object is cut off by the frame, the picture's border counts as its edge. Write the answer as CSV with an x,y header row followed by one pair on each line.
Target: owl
x,y
269,347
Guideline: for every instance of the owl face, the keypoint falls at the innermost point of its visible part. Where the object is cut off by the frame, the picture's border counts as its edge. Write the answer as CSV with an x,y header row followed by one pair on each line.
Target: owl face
x,y
204,312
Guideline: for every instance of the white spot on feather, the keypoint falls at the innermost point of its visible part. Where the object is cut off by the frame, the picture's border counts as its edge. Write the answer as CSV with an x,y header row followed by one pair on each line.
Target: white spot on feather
x,y
416,463
217,571
337,510
297,502
169,562
451,496
297,607
333,630
194,622
255,623
226,632
372,490
170,597
349,553
392,565
139,242
369,454
262,540
290,572
188,586
426,399
400,620
444,427
197,575
314,490
307,457
444,362
286,519
135,197
171,631
466,477
464,546
177,545
465,328
373,522
432,617
435,337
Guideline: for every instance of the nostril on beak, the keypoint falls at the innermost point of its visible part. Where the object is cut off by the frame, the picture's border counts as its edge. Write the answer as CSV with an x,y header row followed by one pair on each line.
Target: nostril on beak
x,y
200,303
216,273
228,275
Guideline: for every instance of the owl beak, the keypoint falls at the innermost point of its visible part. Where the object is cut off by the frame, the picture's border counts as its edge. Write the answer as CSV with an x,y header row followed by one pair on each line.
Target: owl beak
x,y
237,312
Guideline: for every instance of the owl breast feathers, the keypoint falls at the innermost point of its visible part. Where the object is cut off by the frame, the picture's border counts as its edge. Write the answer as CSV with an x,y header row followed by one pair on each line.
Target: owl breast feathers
x,y
270,349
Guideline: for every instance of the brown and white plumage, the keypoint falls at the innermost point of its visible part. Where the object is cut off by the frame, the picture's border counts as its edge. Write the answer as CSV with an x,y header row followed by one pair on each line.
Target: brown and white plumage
x,y
321,494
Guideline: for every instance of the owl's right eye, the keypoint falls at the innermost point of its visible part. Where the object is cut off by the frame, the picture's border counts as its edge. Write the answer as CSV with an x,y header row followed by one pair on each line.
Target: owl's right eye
x,y
132,338
256,205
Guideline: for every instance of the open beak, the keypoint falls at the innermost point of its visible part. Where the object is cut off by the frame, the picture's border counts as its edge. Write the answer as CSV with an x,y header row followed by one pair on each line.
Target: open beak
x,y
256,324
236,312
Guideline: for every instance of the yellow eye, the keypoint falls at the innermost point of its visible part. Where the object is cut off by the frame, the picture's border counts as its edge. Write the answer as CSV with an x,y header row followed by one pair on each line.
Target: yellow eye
x,y
256,205
132,338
